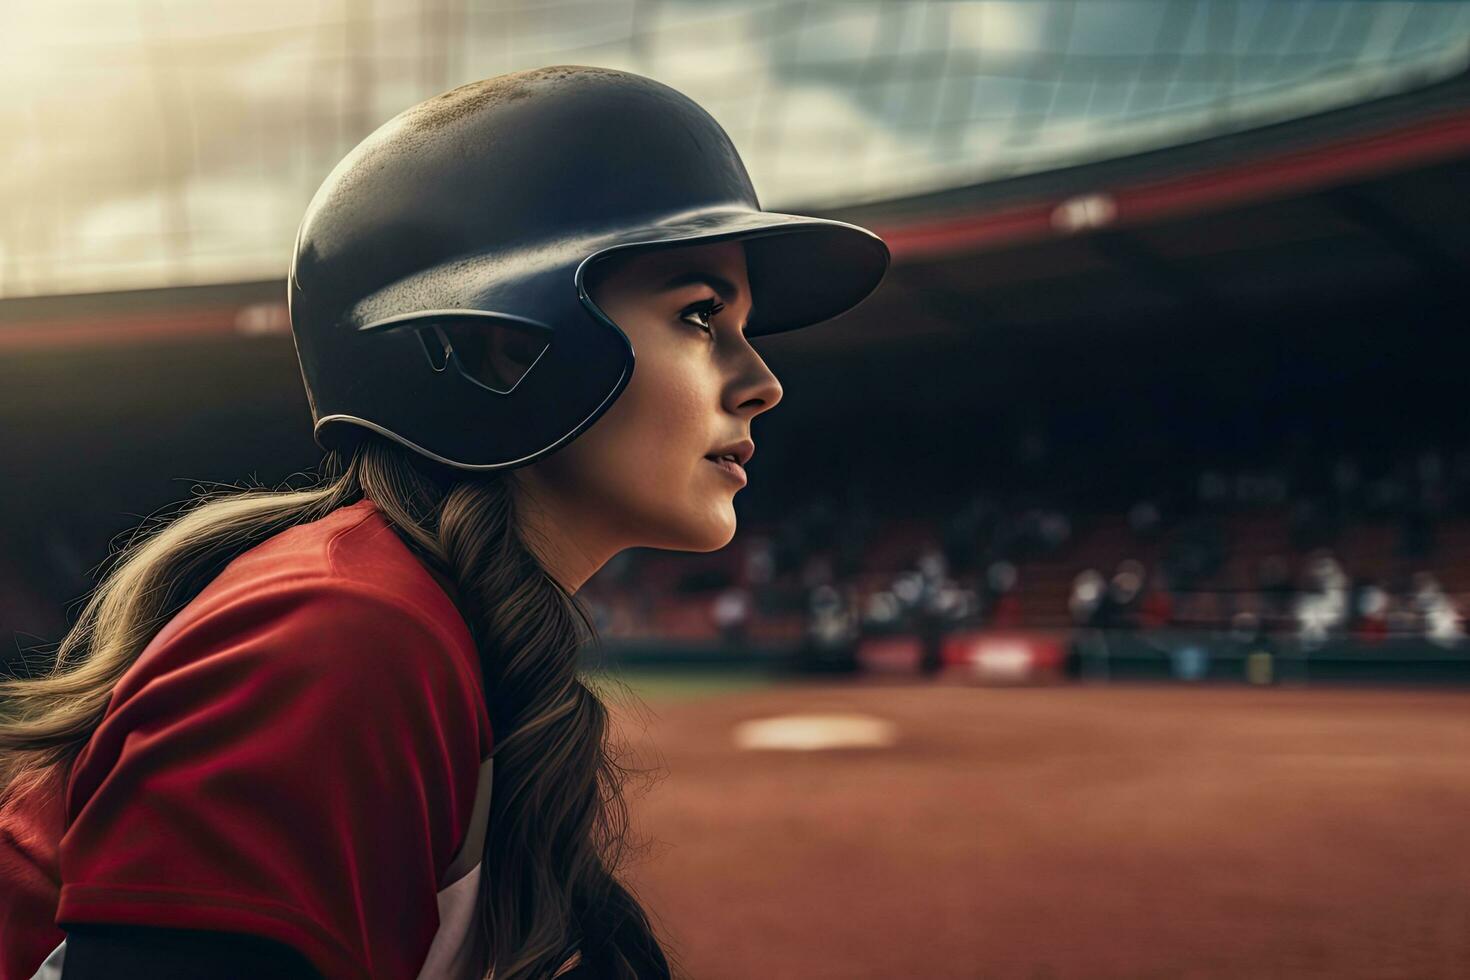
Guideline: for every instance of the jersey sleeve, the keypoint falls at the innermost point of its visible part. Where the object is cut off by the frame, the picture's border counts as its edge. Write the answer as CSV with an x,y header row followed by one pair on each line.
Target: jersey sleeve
x,y
299,765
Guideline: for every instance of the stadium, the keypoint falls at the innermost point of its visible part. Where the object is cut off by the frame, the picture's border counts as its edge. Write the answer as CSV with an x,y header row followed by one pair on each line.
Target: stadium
x,y
1106,567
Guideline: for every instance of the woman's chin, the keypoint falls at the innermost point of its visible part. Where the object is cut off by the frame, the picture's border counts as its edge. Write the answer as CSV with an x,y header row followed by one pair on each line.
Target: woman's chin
x,y
713,533
710,530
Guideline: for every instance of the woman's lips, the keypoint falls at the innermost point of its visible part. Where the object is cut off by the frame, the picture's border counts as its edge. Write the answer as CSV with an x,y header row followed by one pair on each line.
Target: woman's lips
x,y
734,469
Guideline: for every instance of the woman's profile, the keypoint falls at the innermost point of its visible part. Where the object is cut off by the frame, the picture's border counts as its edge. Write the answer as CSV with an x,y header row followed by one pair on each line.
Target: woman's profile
x,y
338,730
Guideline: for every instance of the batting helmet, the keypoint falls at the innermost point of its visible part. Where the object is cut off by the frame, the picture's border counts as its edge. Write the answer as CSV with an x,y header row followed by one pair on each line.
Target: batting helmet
x,y
437,288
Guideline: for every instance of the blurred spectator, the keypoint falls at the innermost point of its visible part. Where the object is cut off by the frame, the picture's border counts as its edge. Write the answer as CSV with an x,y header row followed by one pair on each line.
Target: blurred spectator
x,y
908,588
1121,600
1156,609
1313,619
1400,619
1373,607
1246,624
832,629
1321,609
1087,597
956,604
760,560
882,611
1425,594
1440,619
831,621
932,565
1445,624
731,612
1003,606
941,595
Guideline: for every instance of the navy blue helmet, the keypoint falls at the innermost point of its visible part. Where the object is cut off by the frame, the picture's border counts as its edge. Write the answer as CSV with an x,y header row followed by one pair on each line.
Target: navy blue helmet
x,y
437,291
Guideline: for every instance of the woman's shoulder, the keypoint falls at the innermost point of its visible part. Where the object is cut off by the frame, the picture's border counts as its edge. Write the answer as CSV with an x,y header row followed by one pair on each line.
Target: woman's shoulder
x,y
341,594
348,570
299,646
354,544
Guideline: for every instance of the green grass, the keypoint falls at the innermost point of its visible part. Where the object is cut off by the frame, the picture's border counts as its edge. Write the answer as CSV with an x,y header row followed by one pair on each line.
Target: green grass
x,y
656,684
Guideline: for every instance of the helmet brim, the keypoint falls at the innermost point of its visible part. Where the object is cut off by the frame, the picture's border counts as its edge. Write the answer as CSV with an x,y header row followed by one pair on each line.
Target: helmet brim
x,y
802,270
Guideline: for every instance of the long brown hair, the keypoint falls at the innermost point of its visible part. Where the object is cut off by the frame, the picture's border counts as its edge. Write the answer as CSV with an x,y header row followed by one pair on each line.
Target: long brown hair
x,y
558,829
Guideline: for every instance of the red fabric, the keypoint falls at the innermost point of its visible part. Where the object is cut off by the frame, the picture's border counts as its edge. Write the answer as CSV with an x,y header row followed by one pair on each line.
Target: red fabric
x,y
30,829
295,755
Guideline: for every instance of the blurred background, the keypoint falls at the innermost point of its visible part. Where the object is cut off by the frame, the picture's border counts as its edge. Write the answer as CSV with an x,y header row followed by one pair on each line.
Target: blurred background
x,y
1107,568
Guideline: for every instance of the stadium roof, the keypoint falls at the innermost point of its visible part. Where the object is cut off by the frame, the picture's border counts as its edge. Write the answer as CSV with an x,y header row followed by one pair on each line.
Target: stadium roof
x,y
174,144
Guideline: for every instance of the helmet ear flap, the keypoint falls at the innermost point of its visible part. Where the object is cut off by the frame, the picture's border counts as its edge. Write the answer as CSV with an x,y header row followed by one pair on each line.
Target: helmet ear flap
x,y
493,350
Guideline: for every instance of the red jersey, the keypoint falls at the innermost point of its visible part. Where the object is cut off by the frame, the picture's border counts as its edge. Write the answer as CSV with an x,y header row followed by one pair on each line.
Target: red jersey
x,y
302,753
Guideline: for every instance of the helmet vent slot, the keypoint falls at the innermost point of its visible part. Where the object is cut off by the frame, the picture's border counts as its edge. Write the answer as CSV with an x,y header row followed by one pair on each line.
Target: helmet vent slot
x,y
436,346
494,351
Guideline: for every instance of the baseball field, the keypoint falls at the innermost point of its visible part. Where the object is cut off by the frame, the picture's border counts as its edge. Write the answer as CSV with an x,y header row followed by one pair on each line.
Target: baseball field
x,y
1052,832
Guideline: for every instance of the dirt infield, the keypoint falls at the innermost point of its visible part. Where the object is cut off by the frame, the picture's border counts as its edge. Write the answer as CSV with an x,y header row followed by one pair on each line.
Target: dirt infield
x,y
1090,832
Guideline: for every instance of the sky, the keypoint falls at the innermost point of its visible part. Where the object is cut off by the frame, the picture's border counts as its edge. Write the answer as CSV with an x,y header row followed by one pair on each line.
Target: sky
x,y
177,142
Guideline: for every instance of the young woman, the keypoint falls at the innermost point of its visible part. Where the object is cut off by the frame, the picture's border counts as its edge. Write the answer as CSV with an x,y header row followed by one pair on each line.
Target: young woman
x,y
339,731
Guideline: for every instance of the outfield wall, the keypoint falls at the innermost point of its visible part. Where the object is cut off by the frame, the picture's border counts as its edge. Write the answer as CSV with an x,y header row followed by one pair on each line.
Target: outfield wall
x,y
1078,656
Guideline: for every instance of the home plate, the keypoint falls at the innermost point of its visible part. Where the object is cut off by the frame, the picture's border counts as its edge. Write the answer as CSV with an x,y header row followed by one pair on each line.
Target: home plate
x,y
806,732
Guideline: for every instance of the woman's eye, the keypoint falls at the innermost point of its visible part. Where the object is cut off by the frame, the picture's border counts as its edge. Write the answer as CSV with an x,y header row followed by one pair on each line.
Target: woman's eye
x,y
705,310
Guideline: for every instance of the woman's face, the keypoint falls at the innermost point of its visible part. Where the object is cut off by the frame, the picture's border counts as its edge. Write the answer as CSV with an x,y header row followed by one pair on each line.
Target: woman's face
x,y
639,477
